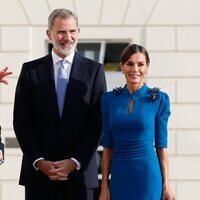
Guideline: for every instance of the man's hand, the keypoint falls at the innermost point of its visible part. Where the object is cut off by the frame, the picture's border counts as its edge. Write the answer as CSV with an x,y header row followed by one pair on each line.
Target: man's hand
x,y
62,169
45,166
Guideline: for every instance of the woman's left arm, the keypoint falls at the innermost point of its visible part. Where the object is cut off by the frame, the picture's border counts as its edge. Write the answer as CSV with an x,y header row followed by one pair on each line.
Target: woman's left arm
x,y
163,160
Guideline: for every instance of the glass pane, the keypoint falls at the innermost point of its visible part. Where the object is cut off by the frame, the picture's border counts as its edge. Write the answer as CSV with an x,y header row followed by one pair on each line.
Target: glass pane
x,y
112,55
11,142
89,50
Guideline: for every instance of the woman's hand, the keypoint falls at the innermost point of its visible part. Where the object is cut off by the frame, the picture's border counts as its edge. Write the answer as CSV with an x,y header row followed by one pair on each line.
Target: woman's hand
x,y
167,194
105,193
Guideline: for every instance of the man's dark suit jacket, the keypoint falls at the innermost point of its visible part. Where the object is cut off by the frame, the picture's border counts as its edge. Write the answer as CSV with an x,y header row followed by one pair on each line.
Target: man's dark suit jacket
x,y
1,144
42,133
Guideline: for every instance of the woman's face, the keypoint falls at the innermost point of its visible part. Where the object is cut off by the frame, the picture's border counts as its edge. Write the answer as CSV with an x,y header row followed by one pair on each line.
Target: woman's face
x,y
135,69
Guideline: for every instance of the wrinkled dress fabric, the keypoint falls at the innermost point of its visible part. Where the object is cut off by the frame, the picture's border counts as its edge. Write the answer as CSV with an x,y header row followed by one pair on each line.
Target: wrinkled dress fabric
x,y
135,171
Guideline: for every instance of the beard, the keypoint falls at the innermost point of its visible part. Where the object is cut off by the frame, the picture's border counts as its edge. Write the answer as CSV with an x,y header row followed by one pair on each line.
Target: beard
x,y
64,51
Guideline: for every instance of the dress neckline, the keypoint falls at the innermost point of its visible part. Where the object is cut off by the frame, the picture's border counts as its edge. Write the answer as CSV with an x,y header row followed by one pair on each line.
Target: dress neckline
x,y
138,93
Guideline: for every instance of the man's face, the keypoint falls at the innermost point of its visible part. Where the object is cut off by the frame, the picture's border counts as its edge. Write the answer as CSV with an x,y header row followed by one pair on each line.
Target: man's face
x,y
64,36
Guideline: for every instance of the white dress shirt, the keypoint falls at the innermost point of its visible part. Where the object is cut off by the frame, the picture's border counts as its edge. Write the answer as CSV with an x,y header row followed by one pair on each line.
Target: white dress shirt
x,y
67,64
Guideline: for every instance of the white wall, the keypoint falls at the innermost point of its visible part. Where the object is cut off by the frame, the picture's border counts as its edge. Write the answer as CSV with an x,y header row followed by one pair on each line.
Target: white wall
x,y
168,29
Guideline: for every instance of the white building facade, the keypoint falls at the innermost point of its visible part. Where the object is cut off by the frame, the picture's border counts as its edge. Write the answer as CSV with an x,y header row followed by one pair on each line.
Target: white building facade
x,y
170,31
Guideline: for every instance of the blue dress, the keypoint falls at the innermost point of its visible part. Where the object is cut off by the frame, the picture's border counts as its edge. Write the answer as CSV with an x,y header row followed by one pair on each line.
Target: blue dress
x,y
135,170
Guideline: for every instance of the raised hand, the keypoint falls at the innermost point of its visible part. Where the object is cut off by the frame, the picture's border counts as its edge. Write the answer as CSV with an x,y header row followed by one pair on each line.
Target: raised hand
x,y
3,74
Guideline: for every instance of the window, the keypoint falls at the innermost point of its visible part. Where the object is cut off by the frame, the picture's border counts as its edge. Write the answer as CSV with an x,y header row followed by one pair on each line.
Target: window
x,y
89,50
105,52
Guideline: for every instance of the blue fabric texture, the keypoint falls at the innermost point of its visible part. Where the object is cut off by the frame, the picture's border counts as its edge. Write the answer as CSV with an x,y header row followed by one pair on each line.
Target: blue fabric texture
x,y
135,171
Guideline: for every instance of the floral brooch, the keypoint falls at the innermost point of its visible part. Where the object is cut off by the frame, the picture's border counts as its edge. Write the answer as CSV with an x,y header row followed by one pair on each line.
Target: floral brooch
x,y
118,90
153,94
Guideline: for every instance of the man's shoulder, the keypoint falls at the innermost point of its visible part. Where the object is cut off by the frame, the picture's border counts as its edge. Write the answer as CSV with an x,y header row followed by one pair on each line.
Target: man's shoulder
x,y
37,63
39,60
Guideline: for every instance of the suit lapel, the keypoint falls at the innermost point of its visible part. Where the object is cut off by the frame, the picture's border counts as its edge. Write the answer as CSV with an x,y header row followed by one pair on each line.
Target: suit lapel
x,y
46,76
75,81
75,85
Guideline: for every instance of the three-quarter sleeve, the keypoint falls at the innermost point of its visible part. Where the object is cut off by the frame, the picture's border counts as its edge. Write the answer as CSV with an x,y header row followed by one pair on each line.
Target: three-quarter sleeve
x,y
107,133
161,121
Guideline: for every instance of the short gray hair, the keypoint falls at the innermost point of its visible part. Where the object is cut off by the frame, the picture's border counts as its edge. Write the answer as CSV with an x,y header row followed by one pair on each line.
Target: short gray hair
x,y
61,13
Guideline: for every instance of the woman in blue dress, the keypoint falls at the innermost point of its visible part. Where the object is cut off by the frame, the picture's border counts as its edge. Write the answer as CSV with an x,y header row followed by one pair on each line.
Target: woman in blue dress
x,y
135,135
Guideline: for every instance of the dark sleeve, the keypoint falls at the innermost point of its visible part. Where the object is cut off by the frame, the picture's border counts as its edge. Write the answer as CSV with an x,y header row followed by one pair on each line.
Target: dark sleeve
x,y
93,131
22,118
161,121
2,147
1,144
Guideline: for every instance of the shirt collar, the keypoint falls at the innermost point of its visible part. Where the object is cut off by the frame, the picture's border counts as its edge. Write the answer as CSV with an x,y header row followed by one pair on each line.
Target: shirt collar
x,y
56,58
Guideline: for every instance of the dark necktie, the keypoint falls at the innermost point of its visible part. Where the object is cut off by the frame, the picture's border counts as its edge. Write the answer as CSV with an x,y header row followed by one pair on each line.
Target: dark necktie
x,y
61,86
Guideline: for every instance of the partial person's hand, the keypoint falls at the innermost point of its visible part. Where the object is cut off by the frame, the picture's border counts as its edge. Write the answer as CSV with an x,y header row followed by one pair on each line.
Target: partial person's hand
x,y
62,169
45,166
167,194
1,157
4,73
105,194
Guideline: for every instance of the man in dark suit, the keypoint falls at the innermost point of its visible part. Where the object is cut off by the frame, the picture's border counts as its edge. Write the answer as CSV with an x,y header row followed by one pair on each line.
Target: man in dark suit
x,y
3,74
59,139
